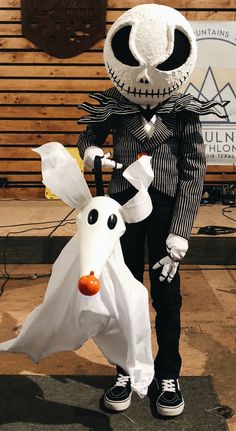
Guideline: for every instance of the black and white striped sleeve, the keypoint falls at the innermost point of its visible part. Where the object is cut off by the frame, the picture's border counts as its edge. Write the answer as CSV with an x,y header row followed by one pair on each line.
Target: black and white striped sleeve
x,y
192,166
94,135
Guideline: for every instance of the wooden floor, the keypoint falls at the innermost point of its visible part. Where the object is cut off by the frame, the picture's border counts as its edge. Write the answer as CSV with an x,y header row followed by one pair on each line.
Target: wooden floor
x,y
208,314
208,329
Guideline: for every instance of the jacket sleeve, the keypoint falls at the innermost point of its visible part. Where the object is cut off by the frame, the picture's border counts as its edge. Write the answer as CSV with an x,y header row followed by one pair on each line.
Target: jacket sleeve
x,y
94,135
192,167
96,132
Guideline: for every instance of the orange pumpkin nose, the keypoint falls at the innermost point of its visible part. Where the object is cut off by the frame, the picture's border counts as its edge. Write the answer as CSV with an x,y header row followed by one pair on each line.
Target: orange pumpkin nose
x,y
89,284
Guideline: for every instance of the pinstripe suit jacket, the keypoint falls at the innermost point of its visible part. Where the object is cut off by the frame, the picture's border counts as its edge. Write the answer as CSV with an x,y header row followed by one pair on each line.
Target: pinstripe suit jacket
x,y
177,150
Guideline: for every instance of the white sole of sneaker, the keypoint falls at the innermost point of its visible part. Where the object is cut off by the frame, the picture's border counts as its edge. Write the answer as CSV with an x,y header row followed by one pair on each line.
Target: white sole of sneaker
x,y
170,411
117,406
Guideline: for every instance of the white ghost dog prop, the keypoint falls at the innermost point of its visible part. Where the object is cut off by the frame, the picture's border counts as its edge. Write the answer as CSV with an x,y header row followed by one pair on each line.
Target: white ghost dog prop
x,y
117,317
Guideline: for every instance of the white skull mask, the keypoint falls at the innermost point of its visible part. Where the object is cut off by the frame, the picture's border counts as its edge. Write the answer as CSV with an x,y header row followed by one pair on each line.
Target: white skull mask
x,y
149,53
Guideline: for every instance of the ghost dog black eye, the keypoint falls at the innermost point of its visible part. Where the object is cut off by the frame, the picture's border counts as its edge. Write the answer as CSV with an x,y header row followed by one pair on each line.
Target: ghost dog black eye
x,y
179,55
92,216
111,222
120,47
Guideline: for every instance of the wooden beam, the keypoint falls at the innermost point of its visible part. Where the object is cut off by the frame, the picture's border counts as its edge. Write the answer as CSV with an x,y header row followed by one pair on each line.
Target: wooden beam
x,y
35,139
33,98
46,125
57,85
48,71
36,57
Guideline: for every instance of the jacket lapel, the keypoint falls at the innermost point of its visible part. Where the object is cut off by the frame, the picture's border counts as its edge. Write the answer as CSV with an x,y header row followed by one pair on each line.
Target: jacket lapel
x,y
134,125
161,133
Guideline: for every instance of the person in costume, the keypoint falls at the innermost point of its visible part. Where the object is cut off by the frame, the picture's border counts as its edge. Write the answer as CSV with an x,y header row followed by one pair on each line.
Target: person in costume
x,y
149,52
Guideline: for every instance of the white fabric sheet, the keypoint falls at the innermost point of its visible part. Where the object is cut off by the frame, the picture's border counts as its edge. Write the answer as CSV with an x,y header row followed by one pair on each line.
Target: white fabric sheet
x,y
116,318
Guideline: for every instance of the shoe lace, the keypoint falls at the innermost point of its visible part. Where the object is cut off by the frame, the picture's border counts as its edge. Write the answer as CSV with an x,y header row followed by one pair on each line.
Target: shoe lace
x,y
168,385
122,380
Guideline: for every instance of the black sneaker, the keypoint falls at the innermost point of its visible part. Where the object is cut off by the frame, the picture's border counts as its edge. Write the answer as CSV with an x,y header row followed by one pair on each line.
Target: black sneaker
x,y
118,397
170,401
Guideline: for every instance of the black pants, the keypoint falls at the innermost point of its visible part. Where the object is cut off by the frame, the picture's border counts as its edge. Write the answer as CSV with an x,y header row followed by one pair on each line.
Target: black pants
x,y
166,297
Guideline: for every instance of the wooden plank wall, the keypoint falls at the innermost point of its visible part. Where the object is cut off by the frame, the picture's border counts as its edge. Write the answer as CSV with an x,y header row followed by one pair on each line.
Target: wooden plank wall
x,y
39,93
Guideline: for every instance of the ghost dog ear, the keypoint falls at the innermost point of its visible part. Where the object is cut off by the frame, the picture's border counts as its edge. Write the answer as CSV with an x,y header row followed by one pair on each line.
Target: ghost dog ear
x,y
62,175
140,175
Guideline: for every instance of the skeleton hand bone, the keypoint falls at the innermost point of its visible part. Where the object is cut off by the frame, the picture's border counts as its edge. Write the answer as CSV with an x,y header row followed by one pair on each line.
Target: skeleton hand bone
x,y
176,247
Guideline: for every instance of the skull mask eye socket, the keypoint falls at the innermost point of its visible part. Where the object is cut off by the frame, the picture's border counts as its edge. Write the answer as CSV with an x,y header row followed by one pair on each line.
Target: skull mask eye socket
x,y
179,55
120,47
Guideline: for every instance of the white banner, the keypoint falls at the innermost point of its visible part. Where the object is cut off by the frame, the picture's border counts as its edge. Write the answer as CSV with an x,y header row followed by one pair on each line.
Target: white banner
x,y
214,77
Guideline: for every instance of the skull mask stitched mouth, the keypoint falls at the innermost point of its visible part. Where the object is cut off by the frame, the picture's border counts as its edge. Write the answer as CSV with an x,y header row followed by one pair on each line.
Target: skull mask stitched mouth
x,y
149,53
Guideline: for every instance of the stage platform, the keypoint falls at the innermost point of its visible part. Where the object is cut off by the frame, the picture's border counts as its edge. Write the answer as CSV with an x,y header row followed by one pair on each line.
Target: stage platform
x,y
32,231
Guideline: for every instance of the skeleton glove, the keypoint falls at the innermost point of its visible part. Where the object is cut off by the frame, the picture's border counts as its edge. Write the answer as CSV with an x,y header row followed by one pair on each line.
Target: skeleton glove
x,y
176,248
92,152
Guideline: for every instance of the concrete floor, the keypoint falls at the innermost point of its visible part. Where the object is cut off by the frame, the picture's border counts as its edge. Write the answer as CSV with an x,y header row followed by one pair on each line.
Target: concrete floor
x,y
208,329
